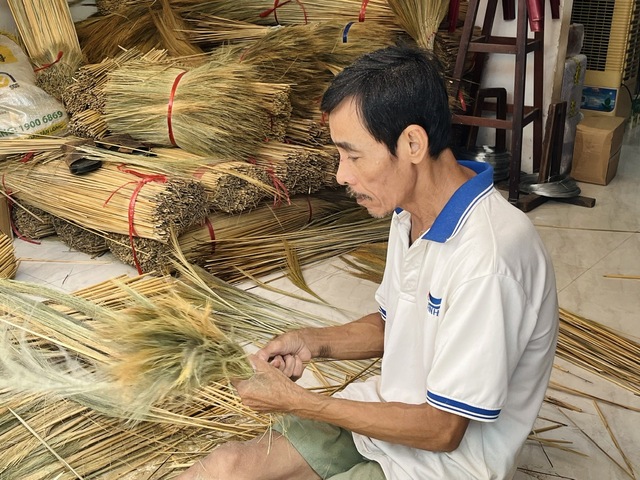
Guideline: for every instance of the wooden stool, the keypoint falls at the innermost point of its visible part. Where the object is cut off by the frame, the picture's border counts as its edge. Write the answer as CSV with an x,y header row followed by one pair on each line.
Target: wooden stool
x,y
520,114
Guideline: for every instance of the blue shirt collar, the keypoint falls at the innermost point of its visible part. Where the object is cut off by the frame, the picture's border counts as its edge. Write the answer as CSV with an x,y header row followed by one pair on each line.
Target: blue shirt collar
x,y
461,203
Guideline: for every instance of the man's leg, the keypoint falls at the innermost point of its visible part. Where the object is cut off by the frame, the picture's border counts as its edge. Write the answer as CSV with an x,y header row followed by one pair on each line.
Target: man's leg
x,y
268,457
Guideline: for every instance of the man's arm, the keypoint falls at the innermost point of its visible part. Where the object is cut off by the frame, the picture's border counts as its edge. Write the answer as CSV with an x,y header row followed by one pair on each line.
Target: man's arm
x,y
357,340
418,426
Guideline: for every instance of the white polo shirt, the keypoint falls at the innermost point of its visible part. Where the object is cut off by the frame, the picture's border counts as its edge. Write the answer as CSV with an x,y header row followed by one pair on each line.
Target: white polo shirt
x,y
471,326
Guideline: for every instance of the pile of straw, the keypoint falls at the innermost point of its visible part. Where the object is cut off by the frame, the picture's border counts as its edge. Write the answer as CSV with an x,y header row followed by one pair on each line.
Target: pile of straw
x,y
8,262
312,132
48,33
233,187
211,240
115,198
87,90
321,50
80,238
132,349
79,430
304,12
259,255
142,25
31,222
219,108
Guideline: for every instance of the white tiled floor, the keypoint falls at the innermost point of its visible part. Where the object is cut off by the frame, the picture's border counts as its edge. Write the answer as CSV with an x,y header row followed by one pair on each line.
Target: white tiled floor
x,y
585,243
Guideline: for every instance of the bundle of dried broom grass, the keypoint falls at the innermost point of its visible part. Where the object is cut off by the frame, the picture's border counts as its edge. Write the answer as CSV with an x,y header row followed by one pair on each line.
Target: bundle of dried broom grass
x,y
308,56
114,198
212,239
219,108
48,32
265,12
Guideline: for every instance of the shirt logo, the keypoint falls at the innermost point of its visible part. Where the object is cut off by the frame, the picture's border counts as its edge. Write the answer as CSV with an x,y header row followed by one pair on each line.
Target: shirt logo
x,y
434,305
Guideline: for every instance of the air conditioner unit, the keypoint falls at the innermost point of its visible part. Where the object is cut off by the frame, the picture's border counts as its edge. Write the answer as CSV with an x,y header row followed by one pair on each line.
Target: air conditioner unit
x,y
612,46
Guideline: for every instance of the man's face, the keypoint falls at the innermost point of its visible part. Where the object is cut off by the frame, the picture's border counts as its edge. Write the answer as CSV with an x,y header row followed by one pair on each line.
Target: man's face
x,y
372,175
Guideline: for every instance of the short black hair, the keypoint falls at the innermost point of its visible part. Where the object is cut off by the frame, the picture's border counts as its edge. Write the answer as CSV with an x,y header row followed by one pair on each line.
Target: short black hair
x,y
395,87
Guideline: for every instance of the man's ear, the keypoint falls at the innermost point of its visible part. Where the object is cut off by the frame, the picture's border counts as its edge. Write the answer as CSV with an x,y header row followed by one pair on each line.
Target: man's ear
x,y
414,143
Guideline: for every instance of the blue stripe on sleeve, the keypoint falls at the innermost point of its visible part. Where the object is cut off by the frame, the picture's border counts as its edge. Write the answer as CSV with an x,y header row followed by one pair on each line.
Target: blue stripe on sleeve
x,y
454,406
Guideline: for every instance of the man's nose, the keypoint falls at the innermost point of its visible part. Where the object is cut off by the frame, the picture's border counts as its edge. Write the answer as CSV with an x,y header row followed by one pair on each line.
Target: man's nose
x,y
343,175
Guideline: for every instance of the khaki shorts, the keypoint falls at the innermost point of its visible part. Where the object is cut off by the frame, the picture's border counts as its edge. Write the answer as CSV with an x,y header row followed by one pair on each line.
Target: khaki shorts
x,y
329,450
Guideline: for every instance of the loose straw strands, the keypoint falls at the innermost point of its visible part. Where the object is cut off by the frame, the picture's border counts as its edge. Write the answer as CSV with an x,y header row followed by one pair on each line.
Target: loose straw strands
x,y
12,146
47,30
265,255
217,109
95,444
112,199
8,263
599,350
420,18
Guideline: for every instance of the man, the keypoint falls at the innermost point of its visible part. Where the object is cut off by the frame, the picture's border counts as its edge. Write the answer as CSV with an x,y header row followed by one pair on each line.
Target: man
x,y
467,322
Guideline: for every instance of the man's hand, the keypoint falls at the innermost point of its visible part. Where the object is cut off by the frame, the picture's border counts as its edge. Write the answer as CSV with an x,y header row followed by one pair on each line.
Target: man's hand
x,y
268,390
288,353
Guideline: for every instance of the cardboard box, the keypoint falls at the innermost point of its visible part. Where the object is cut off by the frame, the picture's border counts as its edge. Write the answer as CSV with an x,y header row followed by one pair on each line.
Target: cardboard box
x,y
597,148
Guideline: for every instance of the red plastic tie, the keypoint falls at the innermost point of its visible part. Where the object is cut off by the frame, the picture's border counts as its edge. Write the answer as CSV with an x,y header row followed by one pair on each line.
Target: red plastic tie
x,y
144,179
310,209
27,157
170,108
277,4
281,188
363,10
463,104
212,234
43,67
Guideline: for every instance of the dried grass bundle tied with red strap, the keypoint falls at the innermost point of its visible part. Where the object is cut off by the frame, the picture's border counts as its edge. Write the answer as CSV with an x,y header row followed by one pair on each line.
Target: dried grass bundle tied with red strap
x,y
48,33
213,238
115,198
220,108
288,12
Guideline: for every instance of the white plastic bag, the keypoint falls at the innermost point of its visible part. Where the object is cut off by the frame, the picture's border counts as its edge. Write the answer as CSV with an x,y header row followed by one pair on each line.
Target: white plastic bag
x,y
25,109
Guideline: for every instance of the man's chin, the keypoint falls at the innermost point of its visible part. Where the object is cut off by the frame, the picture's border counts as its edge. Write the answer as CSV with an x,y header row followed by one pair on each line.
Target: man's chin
x,y
377,213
